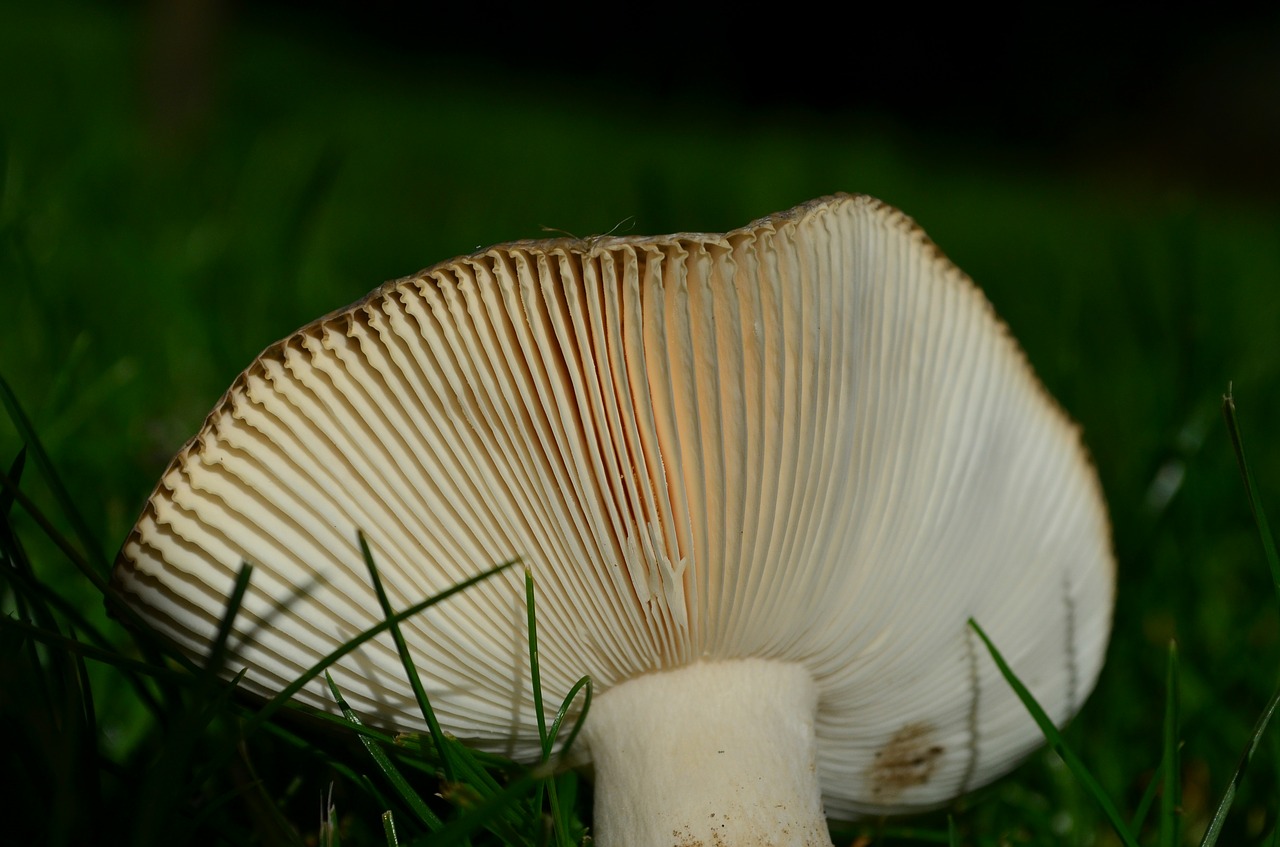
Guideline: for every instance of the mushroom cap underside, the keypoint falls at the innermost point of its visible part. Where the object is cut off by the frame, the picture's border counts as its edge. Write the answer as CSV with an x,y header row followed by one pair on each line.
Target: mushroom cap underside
x,y
808,440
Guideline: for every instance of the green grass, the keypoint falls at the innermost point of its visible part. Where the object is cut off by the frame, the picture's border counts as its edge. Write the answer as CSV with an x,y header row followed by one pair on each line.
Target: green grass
x,y
139,274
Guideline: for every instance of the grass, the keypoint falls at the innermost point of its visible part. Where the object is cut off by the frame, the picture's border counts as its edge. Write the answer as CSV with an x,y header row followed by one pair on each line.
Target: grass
x,y
139,273
202,734
1169,826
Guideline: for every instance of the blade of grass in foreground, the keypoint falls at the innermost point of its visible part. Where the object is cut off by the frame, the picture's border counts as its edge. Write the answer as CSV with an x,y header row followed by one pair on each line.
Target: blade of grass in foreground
x,y
559,819
330,834
152,646
411,798
1259,517
166,779
389,829
534,676
411,670
73,555
1148,797
547,788
1056,741
1171,794
485,813
585,686
15,474
105,656
468,784
476,791
1220,816
94,565
260,718
280,700
45,604
1269,551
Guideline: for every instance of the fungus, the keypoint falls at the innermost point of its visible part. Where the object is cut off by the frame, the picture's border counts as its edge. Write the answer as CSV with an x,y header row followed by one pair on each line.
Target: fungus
x,y
763,478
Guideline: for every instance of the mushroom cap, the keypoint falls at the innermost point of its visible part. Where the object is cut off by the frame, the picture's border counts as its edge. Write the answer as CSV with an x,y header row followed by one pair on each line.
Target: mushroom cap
x,y
808,440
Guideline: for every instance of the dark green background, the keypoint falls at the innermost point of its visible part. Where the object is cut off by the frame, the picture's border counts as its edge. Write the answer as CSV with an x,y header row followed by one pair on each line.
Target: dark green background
x,y
178,191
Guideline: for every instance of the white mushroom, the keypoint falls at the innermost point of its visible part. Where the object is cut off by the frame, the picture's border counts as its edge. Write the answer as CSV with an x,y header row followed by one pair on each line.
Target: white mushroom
x,y
763,479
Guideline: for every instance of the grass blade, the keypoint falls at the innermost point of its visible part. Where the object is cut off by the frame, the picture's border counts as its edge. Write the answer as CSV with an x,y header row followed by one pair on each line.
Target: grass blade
x,y
562,820
15,474
1139,816
280,700
1220,816
406,658
44,602
533,664
468,783
1259,517
218,653
1171,793
411,798
580,685
51,532
107,656
329,835
1214,829
97,572
263,714
477,788
1056,741
536,683
482,815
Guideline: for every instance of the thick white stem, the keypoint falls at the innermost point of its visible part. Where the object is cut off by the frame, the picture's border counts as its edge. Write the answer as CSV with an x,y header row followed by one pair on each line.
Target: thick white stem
x,y
718,753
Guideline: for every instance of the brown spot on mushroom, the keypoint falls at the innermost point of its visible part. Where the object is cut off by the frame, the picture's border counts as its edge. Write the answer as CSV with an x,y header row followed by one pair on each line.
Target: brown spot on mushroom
x,y
910,758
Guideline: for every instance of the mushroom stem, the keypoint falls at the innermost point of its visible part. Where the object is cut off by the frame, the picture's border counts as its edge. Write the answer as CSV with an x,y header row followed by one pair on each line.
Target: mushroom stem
x,y
715,753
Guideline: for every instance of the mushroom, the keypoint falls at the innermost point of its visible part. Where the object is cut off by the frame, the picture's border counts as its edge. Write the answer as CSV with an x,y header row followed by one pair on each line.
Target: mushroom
x,y
763,478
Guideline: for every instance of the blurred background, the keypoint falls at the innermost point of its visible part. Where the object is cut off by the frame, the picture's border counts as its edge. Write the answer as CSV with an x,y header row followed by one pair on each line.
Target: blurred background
x,y
183,183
